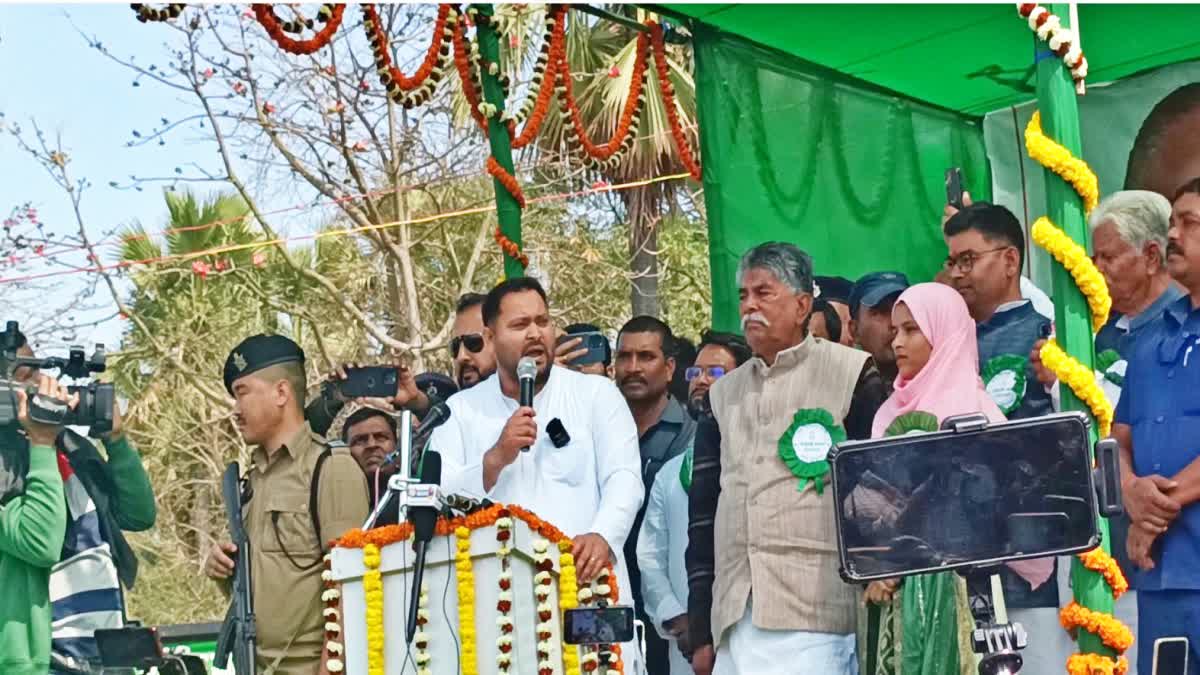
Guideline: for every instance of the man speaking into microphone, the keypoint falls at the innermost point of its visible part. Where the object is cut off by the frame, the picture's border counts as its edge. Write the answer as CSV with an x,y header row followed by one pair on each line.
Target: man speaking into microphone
x,y
581,469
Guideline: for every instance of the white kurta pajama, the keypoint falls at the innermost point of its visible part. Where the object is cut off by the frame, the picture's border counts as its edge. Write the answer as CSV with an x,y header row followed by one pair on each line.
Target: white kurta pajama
x,y
660,553
593,484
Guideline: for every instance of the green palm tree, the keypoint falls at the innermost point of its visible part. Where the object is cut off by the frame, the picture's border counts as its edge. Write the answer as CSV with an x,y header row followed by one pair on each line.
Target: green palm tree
x,y
602,56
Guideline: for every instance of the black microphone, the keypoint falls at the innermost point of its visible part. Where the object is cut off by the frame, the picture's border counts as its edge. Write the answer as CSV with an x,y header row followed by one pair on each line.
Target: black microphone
x,y
424,522
526,372
436,417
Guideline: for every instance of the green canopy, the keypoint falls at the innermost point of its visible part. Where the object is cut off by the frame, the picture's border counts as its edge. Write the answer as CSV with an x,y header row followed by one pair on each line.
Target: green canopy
x,y
970,58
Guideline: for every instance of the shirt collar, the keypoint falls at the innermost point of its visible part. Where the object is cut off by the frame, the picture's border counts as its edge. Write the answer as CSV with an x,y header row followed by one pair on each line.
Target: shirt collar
x,y
673,413
1179,309
785,359
295,447
1154,311
1009,306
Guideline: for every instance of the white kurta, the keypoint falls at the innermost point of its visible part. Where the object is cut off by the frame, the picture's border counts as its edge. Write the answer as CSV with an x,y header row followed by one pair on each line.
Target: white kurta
x,y
593,484
660,554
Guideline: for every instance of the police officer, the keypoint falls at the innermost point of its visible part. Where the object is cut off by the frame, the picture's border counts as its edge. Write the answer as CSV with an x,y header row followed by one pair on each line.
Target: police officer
x,y
298,494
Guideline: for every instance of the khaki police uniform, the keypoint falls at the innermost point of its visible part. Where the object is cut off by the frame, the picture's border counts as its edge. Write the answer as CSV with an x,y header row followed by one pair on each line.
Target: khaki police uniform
x,y
286,555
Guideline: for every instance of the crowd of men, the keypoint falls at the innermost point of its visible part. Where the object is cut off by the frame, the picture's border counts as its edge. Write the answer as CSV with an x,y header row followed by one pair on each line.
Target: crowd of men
x,y
669,466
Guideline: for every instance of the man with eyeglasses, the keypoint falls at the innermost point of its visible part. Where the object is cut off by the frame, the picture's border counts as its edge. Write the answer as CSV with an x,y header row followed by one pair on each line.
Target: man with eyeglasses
x,y
474,357
986,253
719,353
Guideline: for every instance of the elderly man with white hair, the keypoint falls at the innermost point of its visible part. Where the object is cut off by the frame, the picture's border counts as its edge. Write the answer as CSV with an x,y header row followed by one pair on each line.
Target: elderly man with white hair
x,y
1129,244
771,586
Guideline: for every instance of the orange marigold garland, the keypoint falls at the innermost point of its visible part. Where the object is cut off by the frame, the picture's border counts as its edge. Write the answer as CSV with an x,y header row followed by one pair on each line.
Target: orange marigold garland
x,y
1098,560
622,138
1113,633
463,64
668,94
541,86
415,90
1095,664
331,15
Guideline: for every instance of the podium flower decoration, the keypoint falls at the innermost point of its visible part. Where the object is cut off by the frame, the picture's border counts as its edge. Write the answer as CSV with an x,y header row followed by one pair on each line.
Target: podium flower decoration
x,y
466,601
804,447
373,589
331,597
421,639
504,600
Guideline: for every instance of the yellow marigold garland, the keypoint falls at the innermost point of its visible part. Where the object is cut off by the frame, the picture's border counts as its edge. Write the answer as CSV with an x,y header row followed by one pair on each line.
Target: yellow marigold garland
x,y
1114,633
373,589
1075,258
567,599
1060,160
466,601
1081,380
1098,560
1095,664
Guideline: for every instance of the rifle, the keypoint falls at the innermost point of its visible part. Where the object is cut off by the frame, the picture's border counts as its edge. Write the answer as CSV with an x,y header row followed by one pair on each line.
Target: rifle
x,y
238,630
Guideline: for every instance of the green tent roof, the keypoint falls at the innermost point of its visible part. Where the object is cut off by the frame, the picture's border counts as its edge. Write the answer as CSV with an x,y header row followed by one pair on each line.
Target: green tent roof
x,y
969,58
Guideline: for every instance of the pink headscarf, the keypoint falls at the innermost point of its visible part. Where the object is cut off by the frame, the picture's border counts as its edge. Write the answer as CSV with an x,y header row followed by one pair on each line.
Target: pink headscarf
x,y
949,383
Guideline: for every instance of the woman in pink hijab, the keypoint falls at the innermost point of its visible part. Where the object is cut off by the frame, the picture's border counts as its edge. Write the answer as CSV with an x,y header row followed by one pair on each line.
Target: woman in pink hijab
x,y
923,627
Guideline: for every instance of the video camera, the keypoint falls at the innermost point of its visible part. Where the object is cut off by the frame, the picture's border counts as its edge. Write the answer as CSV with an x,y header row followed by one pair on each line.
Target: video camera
x,y
96,399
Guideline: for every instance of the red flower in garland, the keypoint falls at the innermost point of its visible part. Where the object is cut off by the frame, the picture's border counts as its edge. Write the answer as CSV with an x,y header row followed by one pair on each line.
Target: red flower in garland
x,y
331,14
614,72
668,94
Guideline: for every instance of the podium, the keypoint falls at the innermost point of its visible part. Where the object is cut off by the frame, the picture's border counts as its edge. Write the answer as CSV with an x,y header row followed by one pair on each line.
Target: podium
x,y
514,592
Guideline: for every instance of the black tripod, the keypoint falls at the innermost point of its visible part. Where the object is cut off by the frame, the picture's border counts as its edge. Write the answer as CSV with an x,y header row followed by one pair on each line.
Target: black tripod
x,y
999,644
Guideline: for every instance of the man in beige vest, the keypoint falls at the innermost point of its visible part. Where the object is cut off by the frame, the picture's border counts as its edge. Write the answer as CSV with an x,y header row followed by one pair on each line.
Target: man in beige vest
x,y
762,559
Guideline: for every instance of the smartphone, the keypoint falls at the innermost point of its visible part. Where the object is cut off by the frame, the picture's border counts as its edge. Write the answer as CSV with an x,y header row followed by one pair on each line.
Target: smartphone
x,y
129,647
595,343
370,381
952,499
1171,656
954,187
598,625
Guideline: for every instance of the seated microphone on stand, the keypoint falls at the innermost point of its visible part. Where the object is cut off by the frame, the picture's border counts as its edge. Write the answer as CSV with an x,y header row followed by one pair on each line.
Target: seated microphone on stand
x,y
526,372
422,513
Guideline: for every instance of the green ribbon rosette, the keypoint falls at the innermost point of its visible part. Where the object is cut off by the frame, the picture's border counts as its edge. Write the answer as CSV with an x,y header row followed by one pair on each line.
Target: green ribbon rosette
x,y
1004,379
1112,365
915,422
685,469
804,447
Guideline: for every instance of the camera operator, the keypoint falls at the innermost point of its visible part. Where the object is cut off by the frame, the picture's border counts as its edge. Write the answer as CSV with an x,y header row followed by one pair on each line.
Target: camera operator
x,y
103,497
33,523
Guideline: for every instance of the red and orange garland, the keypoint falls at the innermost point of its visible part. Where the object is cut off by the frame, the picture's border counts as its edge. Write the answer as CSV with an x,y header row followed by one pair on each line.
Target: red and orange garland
x,y
572,118
541,86
330,597
668,95
330,15
147,13
504,601
416,90
463,64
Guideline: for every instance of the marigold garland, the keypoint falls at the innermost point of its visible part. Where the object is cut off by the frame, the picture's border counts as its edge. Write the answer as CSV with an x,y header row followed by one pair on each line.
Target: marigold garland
x,y
466,602
1081,380
662,67
1075,258
1114,633
567,591
330,595
373,589
415,90
147,13
421,639
504,603
545,73
622,138
1098,560
462,63
331,15
1060,40
1096,664
1058,159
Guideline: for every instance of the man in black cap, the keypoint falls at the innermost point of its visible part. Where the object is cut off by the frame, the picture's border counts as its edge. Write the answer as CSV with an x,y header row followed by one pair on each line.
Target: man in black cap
x,y
871,308
298,495
836,291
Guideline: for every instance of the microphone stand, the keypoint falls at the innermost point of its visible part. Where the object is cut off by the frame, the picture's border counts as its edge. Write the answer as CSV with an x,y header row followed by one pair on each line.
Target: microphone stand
x,y
398,483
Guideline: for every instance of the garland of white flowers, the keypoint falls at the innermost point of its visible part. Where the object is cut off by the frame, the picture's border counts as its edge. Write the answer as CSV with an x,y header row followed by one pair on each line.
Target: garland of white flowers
x,y
1062,41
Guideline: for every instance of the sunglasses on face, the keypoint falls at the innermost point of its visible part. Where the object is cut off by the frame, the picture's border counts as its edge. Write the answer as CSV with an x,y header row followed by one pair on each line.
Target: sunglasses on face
x,y
714,372
472,341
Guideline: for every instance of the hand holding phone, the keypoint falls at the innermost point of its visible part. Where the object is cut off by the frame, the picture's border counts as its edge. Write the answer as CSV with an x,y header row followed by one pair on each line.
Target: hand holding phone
x,y
954,187
370,382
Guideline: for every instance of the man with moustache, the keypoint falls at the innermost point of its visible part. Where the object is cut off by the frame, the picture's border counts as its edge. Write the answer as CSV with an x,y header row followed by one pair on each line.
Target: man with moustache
x,y
768,599
298,494
589,486
470,347
644,370
1156,426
